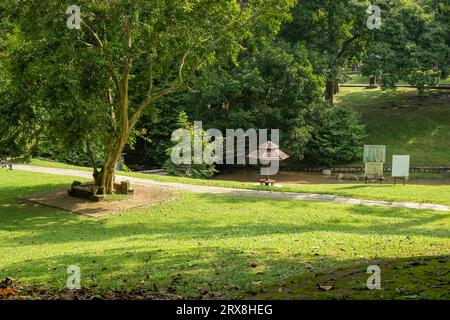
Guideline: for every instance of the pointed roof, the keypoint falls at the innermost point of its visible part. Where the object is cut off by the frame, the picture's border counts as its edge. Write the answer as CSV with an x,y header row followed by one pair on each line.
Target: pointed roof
x,y
268,151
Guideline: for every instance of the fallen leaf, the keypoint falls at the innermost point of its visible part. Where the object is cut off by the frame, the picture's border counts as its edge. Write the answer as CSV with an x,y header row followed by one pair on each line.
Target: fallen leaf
x,y
325,287
7,292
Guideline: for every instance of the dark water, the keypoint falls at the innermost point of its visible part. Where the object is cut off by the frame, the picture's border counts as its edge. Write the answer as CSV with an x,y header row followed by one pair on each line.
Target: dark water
x,y
297,177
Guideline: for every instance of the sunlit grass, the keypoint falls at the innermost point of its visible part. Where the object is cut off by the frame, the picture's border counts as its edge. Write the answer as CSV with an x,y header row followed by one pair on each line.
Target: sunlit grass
x,y
386,192
201,242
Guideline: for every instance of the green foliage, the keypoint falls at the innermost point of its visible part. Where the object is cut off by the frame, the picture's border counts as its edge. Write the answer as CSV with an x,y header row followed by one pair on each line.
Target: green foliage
x,y
337,136
334,33
75,155
192,170
150,150
90,86
412,45
271,89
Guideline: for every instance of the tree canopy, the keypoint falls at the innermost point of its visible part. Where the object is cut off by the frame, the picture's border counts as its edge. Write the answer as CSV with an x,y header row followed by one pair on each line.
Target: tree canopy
x,y
412,46
91,86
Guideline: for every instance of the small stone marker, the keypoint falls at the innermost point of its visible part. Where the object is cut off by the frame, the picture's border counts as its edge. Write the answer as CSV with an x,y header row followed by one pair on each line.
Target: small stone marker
x,y
374,159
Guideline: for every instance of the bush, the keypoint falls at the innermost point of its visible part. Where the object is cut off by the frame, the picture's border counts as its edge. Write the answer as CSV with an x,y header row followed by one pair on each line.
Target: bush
x,y
336,138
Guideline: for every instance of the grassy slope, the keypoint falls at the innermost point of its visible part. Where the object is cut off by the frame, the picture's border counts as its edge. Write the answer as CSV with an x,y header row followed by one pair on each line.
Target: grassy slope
x,y
409,193
406,123
212,243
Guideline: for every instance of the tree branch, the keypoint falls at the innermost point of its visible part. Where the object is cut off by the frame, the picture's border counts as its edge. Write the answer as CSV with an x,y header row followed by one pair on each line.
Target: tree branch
x,y
346,46
91,156
153,97
110,65
93,33
135,117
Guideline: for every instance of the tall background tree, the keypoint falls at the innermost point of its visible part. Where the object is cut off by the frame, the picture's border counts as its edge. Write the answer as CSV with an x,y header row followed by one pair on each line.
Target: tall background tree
x,y
334,32
412,46
89,87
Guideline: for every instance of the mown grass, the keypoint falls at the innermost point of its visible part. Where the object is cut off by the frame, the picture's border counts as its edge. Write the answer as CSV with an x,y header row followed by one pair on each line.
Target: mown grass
x,y
386,192
405,122
360,79
202,245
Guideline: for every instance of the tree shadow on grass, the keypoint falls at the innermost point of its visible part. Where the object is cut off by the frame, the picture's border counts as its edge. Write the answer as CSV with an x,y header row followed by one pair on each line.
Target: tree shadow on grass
x,y
17,214
38,226
210,273
360,186
199,248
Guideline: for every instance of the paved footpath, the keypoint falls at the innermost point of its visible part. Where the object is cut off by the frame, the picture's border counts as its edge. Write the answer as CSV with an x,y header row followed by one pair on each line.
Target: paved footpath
x,y
242,192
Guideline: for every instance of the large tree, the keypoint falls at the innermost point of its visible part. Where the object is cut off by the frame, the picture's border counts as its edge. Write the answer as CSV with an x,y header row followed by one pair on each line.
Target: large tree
x,y
413,45
334,31
89,87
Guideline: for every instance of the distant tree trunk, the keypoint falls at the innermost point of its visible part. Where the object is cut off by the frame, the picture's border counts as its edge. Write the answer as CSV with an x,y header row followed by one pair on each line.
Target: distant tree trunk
x,y
373,81
336,88
330,90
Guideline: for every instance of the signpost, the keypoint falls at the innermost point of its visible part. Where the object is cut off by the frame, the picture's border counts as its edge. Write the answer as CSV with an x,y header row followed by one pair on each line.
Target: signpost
x,y
374,159
400,167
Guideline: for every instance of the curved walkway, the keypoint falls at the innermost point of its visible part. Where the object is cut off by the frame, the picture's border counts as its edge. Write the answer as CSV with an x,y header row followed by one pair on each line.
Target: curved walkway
x,y
242,192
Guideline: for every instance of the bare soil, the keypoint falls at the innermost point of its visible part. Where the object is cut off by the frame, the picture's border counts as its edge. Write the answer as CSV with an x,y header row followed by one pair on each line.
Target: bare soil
x,y
297,177
142,197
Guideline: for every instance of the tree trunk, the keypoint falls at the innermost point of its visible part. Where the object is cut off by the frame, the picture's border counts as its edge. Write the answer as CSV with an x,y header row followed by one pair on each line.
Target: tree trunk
x,y
336,88
105,178
330,90
373,81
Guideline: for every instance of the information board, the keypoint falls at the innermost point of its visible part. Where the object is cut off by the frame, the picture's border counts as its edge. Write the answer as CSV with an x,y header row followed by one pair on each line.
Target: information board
x,y
400,166
374,153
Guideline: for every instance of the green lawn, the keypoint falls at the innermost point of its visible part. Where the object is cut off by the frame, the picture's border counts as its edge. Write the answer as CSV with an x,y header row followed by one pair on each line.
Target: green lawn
x,y
359,79
202,243
386,192
405,122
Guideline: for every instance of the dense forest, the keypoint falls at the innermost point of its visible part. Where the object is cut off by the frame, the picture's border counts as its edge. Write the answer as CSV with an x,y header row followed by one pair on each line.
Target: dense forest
x,y
121,83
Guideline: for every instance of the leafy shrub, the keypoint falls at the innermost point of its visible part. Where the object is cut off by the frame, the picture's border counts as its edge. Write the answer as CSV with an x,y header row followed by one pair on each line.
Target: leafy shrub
x,y
192,170
337,136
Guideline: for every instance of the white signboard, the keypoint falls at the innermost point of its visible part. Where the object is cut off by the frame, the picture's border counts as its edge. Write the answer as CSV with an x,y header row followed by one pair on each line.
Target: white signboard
x,y
400,166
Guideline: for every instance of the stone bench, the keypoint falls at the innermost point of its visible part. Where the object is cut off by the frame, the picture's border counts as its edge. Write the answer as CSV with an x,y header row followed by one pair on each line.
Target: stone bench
x,y
267,182
6,165
86,191
123,188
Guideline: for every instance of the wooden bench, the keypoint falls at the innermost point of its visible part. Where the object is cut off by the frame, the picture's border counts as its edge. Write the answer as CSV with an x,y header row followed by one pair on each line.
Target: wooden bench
x,y
267,182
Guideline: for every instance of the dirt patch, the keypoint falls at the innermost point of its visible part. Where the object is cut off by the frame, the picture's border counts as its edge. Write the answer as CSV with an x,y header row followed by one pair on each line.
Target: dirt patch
x,y
13,290
287,177
422,278
142,197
